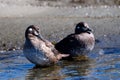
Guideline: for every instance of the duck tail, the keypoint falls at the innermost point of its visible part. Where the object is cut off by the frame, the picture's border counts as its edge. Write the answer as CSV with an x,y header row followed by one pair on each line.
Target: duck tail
x,y
60,56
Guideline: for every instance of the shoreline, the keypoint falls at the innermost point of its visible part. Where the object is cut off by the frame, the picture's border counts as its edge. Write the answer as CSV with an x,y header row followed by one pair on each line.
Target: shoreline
x,y
56,28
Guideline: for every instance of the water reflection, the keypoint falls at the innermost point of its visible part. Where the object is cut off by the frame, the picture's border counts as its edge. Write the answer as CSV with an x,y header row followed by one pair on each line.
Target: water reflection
x,y
60,71
102,64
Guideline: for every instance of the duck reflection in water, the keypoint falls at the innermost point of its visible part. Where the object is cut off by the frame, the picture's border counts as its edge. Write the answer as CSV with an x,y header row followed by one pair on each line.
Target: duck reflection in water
x,y
61,71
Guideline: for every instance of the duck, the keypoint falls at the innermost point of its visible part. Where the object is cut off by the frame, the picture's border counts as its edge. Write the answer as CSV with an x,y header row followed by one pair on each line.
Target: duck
x,y
79,43
39,50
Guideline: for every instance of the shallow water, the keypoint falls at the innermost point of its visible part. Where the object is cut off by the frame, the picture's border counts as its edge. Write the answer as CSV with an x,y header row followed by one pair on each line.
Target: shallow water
x,y
102,64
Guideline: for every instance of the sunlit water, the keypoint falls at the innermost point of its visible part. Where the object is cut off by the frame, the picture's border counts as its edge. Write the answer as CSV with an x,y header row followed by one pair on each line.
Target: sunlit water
x,y
102,64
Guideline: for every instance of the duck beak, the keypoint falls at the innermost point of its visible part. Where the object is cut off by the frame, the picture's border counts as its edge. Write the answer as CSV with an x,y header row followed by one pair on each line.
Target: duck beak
x,y
89,30
37,34
40,37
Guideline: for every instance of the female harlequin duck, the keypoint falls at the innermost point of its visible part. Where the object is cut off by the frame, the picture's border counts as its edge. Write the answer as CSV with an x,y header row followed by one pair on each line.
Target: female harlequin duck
x,y
78,43
39,50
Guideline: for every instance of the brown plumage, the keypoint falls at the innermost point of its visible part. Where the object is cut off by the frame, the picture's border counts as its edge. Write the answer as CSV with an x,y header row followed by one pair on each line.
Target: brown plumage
x,y
39,50
79,43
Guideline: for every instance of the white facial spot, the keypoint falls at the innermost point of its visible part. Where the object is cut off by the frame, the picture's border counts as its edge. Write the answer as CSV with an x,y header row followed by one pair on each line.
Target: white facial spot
x,y
86,25
30,29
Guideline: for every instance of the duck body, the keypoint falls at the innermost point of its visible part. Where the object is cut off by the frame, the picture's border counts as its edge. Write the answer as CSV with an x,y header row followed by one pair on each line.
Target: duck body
x,y
79,43
36,54
38,50
76,44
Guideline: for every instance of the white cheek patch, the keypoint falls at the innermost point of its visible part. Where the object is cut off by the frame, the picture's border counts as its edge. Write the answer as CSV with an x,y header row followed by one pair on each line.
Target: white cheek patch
x,y
86,25
30,29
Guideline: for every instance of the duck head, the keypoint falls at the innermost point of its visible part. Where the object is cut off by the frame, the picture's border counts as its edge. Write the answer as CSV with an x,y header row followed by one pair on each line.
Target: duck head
x,y
82,28
32,31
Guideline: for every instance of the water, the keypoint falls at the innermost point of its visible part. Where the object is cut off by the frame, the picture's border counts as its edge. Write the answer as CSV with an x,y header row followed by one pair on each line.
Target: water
x,y
102,64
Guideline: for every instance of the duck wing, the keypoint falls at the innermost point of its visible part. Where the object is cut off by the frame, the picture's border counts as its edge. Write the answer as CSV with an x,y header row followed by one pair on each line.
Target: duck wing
x,y
49,44
68,44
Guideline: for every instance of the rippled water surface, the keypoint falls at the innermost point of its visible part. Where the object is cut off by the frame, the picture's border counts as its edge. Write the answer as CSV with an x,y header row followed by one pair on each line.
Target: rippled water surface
x,y
102,64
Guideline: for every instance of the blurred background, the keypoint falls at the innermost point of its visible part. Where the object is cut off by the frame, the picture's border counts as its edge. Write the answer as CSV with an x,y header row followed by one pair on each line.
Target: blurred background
x,y
60,2
56,19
